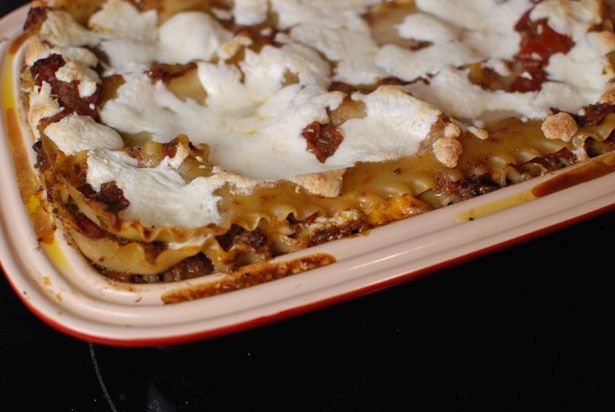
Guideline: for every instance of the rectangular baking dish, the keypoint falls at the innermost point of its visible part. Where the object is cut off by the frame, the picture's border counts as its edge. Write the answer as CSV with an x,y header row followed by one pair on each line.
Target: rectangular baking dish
x,y
59,286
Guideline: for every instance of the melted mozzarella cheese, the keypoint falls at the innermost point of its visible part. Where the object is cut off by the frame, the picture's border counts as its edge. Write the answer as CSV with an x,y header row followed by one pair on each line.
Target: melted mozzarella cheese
x,y
408,65
60,29
190,36
424,27
250,12
495,35
583,68
77,55
391,112
75,133
451,91
41,106
337,30
126,35
265,71
488,24
120,19
264,142
586,67
158,196
142,107
454,42
225,91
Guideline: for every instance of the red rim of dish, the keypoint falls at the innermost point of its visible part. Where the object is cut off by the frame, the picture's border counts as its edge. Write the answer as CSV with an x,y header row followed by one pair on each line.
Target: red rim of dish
x,y
299,310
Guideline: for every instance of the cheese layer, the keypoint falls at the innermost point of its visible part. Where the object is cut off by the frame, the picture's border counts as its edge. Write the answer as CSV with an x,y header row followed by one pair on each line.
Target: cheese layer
x,y
257,110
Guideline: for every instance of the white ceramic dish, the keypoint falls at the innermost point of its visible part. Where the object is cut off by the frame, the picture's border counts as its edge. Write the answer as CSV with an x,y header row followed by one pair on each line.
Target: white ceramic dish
x,y
57,284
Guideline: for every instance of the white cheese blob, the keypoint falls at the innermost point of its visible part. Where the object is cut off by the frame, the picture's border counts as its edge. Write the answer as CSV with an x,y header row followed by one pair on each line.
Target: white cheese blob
x,y
121,19
269,146
395,126
222,14
410,65
127,36
265,71
190,36
250,12
88,79
75,133
41,106
424,27
225,91
37,50
583,68
488,24
77,55
454,42
337,30
573,18
60,29
142,107
451,91
158,197
495,35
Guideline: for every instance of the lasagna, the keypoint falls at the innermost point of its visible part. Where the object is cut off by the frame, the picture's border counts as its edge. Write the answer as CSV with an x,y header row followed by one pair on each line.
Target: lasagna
x,y
181,138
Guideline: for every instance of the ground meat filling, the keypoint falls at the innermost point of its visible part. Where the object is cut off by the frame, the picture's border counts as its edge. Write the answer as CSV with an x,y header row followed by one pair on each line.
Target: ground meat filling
x,y
67,94
45,70
110,197
87,227
595,114
478,185
538,43
470,187
323,140
166,72
190,268
236,235
337,232
558,160
42,160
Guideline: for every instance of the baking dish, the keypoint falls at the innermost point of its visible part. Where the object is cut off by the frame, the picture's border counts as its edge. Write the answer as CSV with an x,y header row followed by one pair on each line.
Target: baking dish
x,y
58,285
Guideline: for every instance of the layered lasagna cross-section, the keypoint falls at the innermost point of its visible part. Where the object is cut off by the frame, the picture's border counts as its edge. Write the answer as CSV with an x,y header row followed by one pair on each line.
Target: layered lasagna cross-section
x,y
180,138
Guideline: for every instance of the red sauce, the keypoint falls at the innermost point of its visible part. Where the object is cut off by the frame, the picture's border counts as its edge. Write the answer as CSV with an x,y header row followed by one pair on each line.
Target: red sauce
x,y
322,140
593,170
538,43
249,276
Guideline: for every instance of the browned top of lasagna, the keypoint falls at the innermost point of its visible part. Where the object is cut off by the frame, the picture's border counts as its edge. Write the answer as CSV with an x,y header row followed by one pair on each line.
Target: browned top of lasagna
x,y
170,128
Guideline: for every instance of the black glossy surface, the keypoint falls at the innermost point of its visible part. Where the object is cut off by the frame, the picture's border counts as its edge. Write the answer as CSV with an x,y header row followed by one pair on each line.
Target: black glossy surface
x,y
539,337
530,328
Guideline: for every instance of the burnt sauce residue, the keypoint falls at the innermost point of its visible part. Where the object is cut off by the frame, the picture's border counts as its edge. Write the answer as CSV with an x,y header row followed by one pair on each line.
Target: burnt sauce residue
x,y
249,276
594,169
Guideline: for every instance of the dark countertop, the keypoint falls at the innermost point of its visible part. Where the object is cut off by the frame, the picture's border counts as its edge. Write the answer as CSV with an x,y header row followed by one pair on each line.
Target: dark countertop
x,y
529,328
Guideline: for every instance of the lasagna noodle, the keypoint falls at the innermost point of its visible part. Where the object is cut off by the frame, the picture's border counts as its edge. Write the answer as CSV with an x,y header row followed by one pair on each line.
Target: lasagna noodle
x,y
109,253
